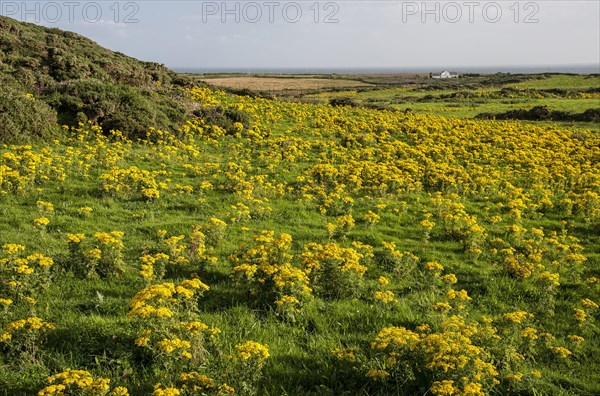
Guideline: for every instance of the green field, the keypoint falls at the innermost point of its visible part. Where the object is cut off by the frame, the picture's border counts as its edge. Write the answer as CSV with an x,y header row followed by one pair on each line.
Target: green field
x,y
476,95
305,170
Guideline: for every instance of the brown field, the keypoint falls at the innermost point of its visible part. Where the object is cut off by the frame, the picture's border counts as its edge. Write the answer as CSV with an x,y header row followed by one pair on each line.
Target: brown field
x,y
282,84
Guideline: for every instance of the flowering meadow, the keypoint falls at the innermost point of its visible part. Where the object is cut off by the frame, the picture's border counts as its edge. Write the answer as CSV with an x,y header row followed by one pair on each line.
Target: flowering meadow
x,y
301,249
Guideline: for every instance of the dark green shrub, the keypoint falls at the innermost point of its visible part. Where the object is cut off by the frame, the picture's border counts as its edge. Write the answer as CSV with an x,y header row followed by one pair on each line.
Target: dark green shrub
x,y
543,113
114,106
344,101
22,117
249,92
225,118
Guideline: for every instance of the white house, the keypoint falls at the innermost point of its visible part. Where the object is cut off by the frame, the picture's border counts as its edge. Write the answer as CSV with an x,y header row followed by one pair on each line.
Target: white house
x,y
445,74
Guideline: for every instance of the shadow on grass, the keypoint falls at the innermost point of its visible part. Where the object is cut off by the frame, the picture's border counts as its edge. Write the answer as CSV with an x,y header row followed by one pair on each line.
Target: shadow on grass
x,y
296,375
93,342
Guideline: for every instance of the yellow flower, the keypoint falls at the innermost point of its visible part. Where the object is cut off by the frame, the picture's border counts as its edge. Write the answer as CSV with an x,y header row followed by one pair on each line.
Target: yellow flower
x,y
30,301
383,281
287,300
169,345
119,391
41,222
394,336
160,390
5,301
443,388
587,303
536,374
42,261
45,206
196,378
85,211
12,248
94,254
434,266
530,332
516,377
344,354
580,315
562,352
75,238
442,306
450,279
377,375
517,316
226,389
250,349
427,224
473,389
552,278
385,296
575,338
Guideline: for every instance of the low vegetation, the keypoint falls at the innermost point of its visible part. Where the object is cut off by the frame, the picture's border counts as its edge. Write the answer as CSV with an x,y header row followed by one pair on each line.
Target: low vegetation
x,y
270,247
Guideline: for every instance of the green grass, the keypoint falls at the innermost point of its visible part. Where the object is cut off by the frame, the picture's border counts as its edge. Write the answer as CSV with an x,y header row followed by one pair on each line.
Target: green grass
x,y
560,81
93,332
470,108
410,96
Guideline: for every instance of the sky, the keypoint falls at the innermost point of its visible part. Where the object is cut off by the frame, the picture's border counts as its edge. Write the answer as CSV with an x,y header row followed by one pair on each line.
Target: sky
x,y
332,34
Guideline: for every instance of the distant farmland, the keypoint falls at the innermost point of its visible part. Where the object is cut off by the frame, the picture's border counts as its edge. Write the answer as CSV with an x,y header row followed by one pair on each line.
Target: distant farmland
x,y
278,84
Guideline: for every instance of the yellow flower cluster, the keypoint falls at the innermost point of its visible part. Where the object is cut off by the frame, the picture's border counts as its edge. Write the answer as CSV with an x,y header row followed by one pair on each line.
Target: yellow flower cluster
x,y
344,354
113,238
75,238
45,207
27,326
21,275
517,316
371,218
385,296
195,382
85,211
335,271
76,381
131,181
252,350
268,263
159,300
162,390
151,267
21,168
41,222
450,354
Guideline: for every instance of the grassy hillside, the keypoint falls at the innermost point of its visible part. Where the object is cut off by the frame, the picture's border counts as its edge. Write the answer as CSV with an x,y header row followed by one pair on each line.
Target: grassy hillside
x,y
49,75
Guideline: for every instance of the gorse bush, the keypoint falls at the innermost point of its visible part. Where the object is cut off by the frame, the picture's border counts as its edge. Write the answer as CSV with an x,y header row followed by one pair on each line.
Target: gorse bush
x,y
22,116
114,106
224,118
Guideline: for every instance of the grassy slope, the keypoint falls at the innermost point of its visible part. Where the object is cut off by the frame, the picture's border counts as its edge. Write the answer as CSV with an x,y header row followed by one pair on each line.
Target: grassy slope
x,y
80,81
38,56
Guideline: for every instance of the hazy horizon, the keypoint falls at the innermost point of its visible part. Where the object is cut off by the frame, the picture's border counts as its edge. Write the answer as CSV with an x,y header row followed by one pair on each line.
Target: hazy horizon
x,y
575,69
401,35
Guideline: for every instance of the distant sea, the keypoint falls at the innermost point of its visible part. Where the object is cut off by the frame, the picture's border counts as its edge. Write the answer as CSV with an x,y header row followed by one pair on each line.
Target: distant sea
x,y
578,69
